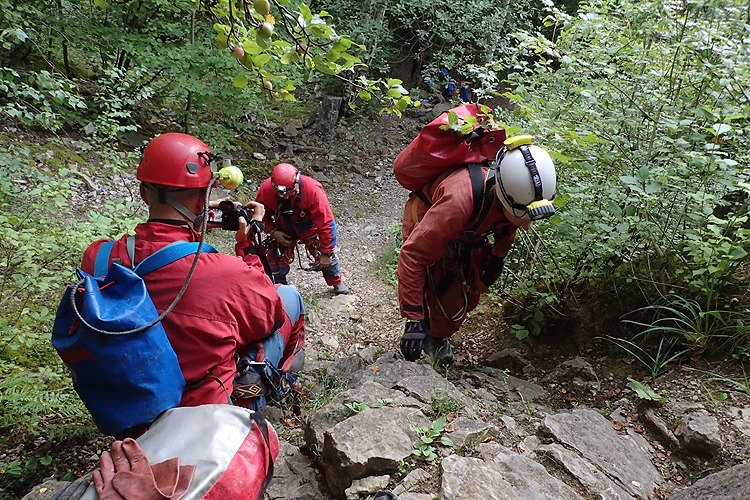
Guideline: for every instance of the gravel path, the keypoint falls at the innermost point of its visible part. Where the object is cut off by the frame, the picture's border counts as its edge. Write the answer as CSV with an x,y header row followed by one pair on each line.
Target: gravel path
x,y
341,325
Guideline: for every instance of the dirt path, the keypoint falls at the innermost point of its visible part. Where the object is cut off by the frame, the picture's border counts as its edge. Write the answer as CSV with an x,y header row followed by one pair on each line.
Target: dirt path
x,y
369,315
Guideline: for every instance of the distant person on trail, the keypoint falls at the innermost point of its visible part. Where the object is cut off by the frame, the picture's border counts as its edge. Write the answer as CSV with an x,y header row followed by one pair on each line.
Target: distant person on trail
x,y
297,210
464,91
230,307
447,261
449,83
419,55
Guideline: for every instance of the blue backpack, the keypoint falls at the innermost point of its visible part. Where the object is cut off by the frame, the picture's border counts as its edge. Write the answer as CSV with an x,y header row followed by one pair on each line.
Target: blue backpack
x,y
108,332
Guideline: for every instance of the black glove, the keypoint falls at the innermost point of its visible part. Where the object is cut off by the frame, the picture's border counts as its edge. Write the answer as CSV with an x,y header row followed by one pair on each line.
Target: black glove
x,y
413,339
492,270
256,226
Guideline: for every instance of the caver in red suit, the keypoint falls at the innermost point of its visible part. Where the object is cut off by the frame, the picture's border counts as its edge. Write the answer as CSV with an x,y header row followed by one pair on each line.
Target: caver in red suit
x,y
297,209
230,304
430,254
446,261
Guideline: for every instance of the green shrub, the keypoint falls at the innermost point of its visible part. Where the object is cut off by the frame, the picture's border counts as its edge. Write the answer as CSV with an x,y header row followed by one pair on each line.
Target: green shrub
x,y
40,248
649,132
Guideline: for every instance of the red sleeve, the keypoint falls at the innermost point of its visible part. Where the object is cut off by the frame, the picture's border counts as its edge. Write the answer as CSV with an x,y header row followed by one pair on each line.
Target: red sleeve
x,y
119,251
316,203
259,310
444,222
504,240
267,197
89,256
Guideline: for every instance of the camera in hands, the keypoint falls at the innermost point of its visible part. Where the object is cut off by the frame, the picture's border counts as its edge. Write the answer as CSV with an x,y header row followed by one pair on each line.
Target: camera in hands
x,y
228,214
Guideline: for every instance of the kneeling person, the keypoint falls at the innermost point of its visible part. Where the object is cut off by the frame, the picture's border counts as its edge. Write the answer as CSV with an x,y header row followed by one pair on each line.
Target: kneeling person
x,y
230,307
297,209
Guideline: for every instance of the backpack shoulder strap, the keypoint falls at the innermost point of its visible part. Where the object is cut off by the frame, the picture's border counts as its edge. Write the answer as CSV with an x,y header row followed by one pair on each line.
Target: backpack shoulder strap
x,y
131,250
101,263
482,192
477,186
170,253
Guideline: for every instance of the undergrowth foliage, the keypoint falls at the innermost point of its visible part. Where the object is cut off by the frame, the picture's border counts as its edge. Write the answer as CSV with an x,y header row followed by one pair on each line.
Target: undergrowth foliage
x,y
38,255
643,109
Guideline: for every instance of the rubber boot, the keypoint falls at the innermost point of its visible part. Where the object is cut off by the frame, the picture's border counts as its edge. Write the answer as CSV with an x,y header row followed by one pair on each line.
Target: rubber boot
x,y
340,289
441,351
384,495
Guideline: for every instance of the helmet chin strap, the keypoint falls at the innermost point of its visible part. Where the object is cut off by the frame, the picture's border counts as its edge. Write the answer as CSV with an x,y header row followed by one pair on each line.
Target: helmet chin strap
x,y
196,220
156,195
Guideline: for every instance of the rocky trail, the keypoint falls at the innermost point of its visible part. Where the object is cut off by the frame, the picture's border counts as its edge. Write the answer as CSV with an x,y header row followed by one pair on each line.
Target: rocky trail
x,y
549,418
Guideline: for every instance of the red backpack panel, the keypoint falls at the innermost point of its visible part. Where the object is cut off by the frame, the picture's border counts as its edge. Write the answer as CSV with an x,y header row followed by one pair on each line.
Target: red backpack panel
x,y
435,151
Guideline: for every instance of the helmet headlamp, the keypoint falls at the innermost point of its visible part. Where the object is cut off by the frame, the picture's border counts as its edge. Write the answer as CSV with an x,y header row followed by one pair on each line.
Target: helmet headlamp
x,y
539,207
285,179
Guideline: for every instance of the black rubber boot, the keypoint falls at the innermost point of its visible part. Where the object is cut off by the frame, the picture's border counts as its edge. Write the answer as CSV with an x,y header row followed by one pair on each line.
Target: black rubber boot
x,y
384,495
340,289
441,352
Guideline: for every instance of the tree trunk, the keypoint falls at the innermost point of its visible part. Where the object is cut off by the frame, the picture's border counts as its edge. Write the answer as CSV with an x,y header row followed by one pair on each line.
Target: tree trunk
x,y
326,116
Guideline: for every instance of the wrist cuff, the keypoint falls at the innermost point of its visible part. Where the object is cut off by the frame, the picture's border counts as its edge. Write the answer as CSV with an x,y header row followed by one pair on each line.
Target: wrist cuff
x,y
244,248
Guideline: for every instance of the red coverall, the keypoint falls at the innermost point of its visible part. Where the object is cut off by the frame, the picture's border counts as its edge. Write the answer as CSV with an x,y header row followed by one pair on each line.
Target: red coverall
x,y
430,253
303,217
229,306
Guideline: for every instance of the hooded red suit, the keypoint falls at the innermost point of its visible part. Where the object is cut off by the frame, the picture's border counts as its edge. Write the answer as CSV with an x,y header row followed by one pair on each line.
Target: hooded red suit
x,y
229,306
304,217
438,259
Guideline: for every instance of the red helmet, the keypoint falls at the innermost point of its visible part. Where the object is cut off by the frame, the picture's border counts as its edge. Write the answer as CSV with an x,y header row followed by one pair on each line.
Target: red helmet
x,y
285,178
175,159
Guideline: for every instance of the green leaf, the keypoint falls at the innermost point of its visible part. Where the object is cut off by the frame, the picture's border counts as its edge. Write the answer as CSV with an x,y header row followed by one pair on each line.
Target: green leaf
x,y
403,103
240,81
251,47
721,128
102,4
395,93
306,13
643,173
644,391
522,333
261,59
737,253
559,156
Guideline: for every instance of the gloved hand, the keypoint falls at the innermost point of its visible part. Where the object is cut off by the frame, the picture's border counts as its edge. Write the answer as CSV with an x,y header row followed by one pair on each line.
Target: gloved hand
x,y
124,473
413,339
325,260
492,270
281,237
105,472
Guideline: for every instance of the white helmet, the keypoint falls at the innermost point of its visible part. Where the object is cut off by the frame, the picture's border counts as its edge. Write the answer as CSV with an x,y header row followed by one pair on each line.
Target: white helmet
x,y
525,179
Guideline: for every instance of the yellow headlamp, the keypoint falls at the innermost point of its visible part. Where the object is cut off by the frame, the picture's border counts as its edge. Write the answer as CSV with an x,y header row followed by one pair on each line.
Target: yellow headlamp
x,y
512,143
540,209
230,177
